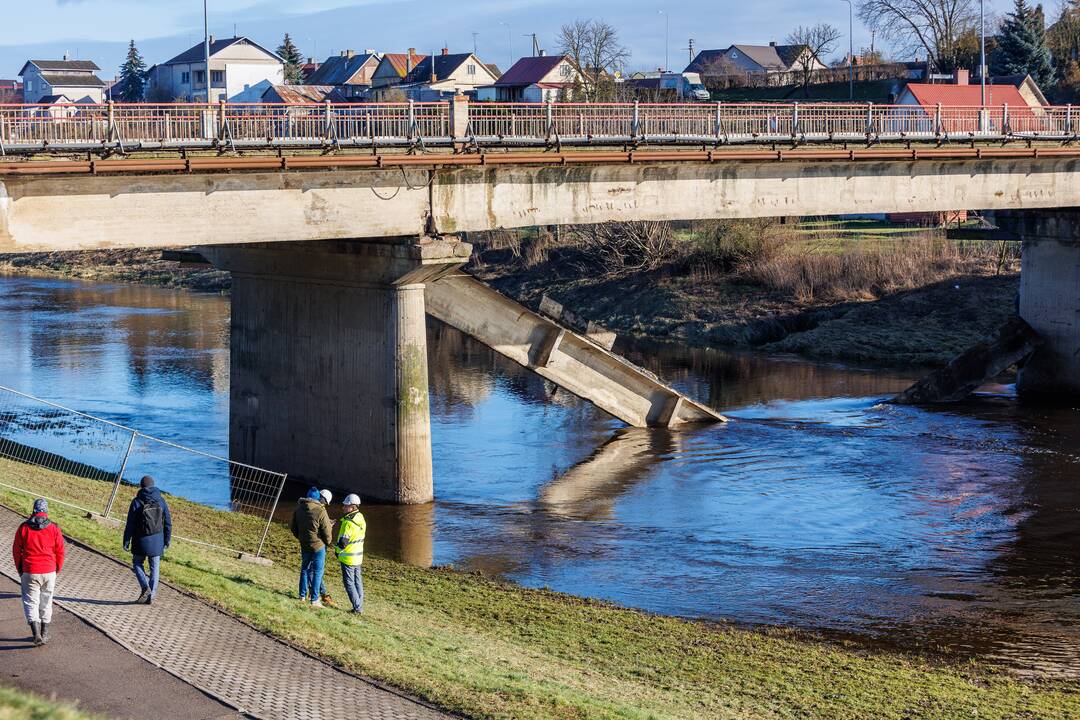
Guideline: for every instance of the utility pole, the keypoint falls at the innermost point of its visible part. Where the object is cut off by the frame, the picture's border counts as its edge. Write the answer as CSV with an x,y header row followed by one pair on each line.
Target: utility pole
x,y
206,48
474,34
691,48
851,53
510,41
535,44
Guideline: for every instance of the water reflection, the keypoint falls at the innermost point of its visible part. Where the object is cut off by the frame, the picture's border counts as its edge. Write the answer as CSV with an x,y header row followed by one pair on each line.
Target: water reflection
x,y
816,506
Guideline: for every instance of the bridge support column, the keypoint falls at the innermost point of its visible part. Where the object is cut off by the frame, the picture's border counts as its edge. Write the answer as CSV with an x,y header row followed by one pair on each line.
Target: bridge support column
x,y
1050,300
329,375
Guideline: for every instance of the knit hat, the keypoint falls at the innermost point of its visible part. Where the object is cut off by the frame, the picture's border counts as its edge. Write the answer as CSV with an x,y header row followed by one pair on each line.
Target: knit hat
x,y
41,506
313,494
146,482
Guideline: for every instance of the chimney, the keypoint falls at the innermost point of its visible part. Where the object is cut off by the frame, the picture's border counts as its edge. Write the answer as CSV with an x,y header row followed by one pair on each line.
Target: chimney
x,y
543,53
349,54
67,56
211,39
445,51
962,76
369,51
772,43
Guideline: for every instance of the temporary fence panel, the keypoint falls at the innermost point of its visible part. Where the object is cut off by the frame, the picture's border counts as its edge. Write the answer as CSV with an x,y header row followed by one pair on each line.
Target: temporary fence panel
x,y
104,462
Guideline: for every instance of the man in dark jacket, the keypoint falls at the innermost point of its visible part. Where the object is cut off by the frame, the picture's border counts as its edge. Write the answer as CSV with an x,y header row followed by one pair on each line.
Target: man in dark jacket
x,y
38,552
312,527
147,534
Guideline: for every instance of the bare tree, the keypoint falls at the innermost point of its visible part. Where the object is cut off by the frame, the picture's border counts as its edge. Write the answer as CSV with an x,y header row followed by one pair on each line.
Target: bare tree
x,y
594,47
936,27
817,40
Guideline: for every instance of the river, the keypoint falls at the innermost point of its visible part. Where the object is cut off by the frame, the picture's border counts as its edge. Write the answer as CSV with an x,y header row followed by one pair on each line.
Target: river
x,y
817,507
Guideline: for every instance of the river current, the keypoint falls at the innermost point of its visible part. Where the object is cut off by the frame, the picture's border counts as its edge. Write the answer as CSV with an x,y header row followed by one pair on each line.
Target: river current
x,y
818,506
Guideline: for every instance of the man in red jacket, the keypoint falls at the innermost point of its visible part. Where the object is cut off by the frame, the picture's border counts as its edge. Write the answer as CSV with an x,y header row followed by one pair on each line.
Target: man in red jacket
x,y
38,552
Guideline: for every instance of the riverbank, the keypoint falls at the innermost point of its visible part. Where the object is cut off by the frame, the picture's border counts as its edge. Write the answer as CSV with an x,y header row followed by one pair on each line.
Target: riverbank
x,y
491,649
829,290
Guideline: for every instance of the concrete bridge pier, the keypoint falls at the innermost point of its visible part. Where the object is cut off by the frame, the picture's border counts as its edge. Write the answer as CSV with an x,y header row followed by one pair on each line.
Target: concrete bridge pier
x,y
1050,299
328,371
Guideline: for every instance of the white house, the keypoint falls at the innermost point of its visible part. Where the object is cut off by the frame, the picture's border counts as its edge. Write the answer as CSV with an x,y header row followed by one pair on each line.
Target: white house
x,y
241,70
534,79
45,81
766,60
442,76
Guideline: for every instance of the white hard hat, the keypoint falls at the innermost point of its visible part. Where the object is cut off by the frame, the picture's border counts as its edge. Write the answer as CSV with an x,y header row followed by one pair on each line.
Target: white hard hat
x,y
326,495
351,499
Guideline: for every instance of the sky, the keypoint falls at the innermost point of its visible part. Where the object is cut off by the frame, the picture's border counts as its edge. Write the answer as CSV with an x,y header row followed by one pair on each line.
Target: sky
x,y
99,30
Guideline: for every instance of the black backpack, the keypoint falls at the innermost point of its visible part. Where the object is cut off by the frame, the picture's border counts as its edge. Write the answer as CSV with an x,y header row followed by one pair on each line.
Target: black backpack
x,y
152,519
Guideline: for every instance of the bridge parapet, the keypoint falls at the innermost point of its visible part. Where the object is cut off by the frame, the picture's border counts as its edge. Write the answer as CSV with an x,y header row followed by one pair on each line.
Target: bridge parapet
x,y
119,128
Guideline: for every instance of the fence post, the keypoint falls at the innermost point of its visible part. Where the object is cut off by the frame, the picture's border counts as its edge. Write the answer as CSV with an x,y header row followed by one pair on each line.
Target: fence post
x,y
795,120
1005,119
937,120
270,517
1068,119
549,113
111,122
869,119
327,121
120,475
719,120
412,118
635,124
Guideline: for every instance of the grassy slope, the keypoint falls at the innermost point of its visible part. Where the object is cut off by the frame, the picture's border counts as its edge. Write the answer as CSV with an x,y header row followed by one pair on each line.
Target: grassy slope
x,y
17,705
491,649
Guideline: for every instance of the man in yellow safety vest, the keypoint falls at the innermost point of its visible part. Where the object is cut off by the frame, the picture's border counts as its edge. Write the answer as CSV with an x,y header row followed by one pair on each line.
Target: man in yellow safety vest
x,y
349,544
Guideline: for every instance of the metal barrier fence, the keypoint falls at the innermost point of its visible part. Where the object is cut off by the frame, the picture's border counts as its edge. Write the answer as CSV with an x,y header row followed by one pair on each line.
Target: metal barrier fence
x,y
121,127
102,462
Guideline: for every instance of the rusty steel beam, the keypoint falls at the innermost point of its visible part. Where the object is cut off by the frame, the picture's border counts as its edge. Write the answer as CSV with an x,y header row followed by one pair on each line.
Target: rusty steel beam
x,y
437,160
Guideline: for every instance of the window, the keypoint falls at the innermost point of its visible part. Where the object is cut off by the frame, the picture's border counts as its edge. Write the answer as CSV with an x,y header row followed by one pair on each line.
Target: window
x,y
200,76
185,78
217,77
471,70
566,71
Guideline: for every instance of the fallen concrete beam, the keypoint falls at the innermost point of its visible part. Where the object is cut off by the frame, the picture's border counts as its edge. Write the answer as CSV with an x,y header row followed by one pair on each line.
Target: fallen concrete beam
x,y
560,355
1013,342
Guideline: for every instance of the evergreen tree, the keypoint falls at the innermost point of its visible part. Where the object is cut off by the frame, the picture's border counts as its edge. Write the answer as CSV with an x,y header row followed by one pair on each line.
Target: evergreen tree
x,y
287,51
1021,47
132,76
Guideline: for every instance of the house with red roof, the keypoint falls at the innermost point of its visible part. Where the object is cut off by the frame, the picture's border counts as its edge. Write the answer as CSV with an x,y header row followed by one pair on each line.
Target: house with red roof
x,y
534,79
961,102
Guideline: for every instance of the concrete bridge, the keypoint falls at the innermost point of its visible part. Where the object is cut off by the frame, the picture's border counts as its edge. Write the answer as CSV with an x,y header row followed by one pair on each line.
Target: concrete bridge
x,y
337,255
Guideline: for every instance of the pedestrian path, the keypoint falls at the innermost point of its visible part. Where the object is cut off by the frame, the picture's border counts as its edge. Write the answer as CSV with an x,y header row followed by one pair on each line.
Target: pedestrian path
x,y
219,655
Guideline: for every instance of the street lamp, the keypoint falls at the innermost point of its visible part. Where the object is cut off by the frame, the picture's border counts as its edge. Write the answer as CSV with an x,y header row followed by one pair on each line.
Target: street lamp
x,y
667,25
509,40
206,48
850,54
982,53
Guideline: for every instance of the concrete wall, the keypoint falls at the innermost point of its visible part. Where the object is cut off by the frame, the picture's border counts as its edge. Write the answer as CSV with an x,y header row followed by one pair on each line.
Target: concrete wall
x,y
176,209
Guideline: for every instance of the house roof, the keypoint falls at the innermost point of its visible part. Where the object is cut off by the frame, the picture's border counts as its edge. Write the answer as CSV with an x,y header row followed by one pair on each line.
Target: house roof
x,y
529,70
72,79
929,95
339,69
305,94
54,100
772,57
196,53
62,66
400,62
1020,81
445,66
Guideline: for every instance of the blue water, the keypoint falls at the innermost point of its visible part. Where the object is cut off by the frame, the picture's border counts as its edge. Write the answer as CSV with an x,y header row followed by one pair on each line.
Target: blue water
x,y
816,506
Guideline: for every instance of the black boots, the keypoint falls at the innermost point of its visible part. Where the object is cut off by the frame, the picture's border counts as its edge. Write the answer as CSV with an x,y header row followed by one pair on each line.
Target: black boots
x,y
35,627
44,633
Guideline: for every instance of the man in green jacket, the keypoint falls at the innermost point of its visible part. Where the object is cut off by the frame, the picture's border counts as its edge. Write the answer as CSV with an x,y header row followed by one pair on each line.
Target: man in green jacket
x,y
311,526
350,551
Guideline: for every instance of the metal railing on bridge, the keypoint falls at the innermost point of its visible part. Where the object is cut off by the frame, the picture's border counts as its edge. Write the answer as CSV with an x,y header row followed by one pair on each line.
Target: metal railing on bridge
x,y
116,127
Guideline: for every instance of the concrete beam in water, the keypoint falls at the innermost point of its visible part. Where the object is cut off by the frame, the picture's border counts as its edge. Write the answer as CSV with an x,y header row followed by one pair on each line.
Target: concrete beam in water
x,y
560,355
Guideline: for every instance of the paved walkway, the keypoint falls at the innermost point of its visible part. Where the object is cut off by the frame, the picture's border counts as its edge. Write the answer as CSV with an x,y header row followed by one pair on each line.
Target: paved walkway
x,y
219,655
84,667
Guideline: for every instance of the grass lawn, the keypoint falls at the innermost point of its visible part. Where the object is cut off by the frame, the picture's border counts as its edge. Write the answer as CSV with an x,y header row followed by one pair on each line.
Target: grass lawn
x,y
495,650
17,705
